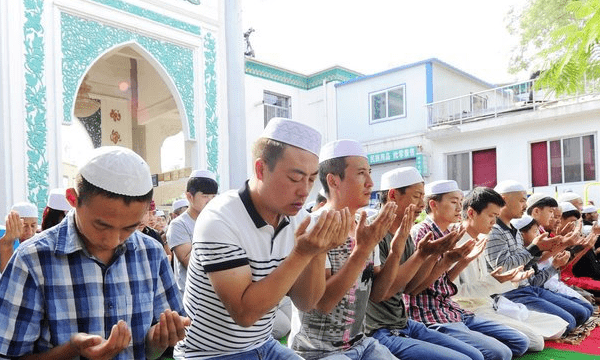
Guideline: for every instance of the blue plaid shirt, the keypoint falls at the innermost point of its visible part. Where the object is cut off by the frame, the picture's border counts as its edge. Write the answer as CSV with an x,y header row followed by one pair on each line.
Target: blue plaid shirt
x,y
52,288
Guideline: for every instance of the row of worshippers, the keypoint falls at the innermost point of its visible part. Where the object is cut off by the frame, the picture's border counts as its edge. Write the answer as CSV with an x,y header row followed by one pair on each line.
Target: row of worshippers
x,y
377,288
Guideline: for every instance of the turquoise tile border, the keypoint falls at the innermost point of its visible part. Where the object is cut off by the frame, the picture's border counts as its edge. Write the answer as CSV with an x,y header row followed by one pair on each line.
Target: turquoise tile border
x,y
210,85
80,50
282,76
35,105
151,15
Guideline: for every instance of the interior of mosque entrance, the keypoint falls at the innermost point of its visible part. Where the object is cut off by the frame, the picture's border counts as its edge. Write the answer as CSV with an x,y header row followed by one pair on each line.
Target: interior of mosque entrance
x,y
124,101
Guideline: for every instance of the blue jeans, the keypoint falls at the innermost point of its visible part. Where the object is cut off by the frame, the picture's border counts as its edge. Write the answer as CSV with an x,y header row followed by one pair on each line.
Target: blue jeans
x,y
365,349
572,310
494,340
271,350
418,342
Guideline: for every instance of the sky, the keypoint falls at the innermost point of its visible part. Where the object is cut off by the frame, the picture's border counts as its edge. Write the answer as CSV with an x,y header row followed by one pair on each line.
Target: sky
x,y
372,36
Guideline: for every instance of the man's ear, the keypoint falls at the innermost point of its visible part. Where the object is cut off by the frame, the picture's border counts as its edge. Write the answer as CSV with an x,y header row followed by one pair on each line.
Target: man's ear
x,y
71,195
392,194
333,181
470,213
259,168
188,196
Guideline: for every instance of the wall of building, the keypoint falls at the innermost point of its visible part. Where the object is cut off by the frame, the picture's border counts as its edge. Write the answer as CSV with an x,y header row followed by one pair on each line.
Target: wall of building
x,y
449,84
353,112
512,136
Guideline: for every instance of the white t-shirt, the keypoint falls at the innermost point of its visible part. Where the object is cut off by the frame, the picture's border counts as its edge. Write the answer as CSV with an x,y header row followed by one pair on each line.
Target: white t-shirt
x,y
181,231
230,233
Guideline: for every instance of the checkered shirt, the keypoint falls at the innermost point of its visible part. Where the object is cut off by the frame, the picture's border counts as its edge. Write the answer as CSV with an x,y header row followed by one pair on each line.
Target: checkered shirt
x,y
434,304
52,288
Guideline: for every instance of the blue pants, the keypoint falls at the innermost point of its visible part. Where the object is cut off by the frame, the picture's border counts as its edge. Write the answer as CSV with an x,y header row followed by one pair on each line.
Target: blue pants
x,y
271,350
365,349
494,340
418,342
572,310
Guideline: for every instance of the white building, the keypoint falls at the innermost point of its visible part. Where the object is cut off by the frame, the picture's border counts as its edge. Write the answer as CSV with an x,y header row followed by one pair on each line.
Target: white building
x,y
451,125
124,72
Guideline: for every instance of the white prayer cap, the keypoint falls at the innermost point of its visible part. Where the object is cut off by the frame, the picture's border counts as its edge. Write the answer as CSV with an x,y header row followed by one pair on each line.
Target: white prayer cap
x,y
341,148
57,200
118,170
586,229
400,177
25,210
441,187
322,193
203,174
566,206
178,204
159,213
589,209
521,222
568,196
534,198
508,186
293,133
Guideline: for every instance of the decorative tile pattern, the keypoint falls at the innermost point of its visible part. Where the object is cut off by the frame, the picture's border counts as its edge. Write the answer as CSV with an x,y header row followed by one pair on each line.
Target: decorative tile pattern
x,y
282,76
212,120
35,105
83,41
151,15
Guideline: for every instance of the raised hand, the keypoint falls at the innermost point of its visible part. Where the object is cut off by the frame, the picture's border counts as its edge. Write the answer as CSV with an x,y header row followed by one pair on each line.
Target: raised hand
x,y
14,228
167,332
546,243
320,237
567,228
460,252
94,347
515,275
561,259
478,248
367,236
401,235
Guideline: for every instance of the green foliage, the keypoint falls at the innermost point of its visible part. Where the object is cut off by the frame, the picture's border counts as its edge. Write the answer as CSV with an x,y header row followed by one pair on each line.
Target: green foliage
x,y
563,36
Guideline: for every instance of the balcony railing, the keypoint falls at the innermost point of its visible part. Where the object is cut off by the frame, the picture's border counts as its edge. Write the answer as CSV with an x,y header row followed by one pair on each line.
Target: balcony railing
x,y
501,100
483,104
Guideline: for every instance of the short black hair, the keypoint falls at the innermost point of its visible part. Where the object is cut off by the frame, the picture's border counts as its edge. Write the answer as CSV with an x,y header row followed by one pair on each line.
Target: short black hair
x,y
434,197
203,185
568,214
542,203
383,194
335,166
479,198
51,217
269,150
86,191
528,226
321,198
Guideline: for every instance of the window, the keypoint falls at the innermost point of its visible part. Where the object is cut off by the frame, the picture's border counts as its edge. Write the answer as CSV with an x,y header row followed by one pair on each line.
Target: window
x,y
563,160
388,104
473,168
276,106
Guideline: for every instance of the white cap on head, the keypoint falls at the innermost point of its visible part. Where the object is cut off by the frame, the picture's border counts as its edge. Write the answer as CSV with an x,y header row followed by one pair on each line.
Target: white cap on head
x,y
508,186
159,213
203,174
586,229
589,209
178,204
25,210
401,177
521,222
293,133
341,148
441,187
57,200
566,206
118,170
534,198
568,196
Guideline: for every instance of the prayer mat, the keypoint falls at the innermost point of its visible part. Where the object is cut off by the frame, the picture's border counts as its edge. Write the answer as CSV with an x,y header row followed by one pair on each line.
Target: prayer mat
x,y
588,345
554,354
